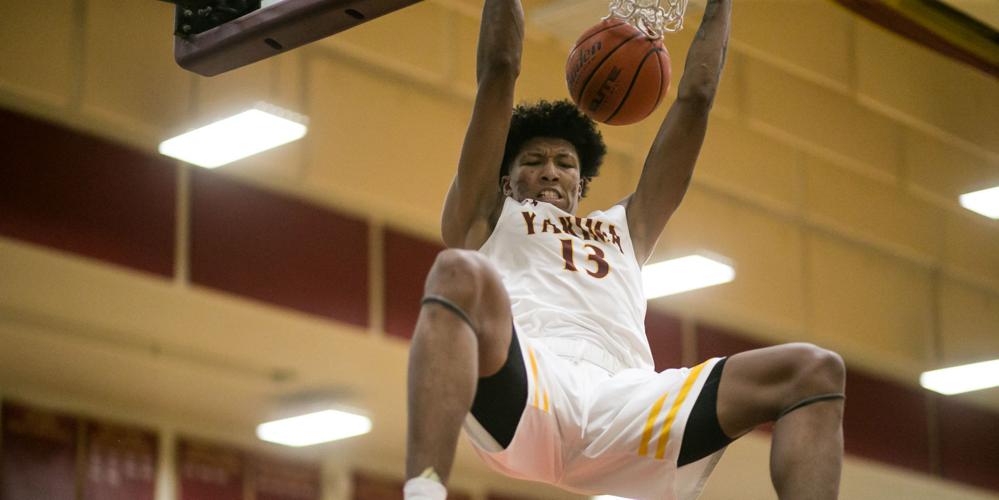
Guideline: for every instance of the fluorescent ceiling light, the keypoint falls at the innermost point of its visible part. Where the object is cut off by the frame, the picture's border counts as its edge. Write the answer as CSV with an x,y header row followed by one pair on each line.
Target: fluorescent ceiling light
x,y
683,274
985,202
230,139
964,378
314,428
609,497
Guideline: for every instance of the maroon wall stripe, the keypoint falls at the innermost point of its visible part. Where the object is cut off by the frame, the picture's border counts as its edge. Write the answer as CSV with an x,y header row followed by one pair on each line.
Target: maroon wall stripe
x,y
277,249
120,461
407,261
713,341
38,458
372,487
969,443
665,334
85,195
886,421
209,471
275,478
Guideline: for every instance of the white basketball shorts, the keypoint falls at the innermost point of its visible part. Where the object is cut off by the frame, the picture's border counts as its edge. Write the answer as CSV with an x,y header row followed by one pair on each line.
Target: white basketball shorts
x,y
588,431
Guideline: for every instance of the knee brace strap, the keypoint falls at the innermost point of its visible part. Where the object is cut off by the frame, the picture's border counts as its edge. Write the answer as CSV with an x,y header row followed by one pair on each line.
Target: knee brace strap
x,y
808,401
451,306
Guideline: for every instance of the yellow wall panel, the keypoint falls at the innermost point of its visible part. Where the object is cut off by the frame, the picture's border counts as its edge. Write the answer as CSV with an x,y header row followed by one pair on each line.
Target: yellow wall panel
x,y
822,119
969,324
877,210
814,36
971,244
416,35
729,97
749,162
131,76
378,138
946,170
37,49
930,87
868,299
766,253
677,45
464,38
616,180
744,474
542,71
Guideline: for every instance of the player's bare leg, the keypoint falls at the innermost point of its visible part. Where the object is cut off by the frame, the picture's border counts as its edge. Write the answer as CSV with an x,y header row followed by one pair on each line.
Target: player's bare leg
x,y
769,384
450,352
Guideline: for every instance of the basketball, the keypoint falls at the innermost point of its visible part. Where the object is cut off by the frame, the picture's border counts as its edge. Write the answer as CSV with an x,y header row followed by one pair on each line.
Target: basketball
x,y
616,73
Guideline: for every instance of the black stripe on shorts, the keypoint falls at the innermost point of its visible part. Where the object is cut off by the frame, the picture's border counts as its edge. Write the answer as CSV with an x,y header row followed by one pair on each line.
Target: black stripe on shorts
x,y
703,435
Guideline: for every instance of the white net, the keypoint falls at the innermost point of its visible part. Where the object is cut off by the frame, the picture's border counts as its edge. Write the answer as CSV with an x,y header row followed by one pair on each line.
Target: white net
x,y
654,17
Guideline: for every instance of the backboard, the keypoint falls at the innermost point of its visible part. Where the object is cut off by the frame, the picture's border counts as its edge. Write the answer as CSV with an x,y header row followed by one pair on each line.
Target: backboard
x,y
277,27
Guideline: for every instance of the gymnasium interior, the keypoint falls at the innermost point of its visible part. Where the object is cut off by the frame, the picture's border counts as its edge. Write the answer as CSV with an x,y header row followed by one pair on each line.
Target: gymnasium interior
x,y
153,312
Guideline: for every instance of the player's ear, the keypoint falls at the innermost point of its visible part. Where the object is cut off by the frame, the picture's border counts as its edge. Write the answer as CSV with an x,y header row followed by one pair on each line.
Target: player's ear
x,y
505,185
583,183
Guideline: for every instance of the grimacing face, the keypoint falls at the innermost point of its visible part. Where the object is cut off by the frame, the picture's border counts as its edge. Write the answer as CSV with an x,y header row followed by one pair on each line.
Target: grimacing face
x,y
546,169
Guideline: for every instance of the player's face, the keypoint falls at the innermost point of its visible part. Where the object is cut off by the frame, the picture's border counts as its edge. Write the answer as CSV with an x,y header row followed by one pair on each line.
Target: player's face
x,y
546,169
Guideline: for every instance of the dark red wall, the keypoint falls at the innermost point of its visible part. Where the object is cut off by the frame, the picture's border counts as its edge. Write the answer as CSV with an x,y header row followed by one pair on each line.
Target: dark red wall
x,y
82,194
665,334
39,453
713,341
407,261
969,442
278,249
886,421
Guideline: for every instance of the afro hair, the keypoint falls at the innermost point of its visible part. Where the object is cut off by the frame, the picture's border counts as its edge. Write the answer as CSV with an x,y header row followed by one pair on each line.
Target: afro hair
x,y
560,120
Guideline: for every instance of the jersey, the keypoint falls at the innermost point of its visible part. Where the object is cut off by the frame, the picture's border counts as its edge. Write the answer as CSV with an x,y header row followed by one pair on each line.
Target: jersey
x,y
573,279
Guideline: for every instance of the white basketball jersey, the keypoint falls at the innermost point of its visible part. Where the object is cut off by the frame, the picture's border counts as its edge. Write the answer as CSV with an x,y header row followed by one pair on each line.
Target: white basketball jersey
x,y
572,278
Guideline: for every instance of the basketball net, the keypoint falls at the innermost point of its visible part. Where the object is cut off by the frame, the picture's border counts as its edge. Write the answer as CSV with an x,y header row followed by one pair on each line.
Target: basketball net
x,y
651,16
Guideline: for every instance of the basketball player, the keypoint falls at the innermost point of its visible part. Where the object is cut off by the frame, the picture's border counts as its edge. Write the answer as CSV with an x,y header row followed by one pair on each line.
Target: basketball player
x,y
531,331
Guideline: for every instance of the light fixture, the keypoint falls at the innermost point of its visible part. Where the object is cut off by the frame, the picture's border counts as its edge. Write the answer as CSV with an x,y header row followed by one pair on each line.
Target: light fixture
x,y
609,497
236,137
964,378
314,428
685,273
985,202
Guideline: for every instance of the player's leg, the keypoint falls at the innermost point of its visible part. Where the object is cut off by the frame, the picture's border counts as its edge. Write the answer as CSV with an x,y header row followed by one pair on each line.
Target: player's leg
x,y
463,333
800,386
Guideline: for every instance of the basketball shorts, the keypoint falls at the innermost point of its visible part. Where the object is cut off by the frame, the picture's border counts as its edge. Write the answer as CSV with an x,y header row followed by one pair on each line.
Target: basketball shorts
x,y
568,422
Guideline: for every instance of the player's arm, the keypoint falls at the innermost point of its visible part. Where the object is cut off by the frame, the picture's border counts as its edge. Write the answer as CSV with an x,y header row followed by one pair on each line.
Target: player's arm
x,y
670,163
472,201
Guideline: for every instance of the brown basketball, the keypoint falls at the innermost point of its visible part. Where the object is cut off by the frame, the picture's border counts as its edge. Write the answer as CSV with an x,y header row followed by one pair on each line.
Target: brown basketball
x,y
616,74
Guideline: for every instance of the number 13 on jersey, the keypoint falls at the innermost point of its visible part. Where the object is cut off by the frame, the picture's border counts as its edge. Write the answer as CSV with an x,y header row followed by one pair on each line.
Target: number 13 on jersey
x,y
594,254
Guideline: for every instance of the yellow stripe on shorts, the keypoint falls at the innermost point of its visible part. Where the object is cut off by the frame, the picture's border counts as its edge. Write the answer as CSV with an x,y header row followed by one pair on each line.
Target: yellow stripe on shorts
x,y
664,433
534,370
643,448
